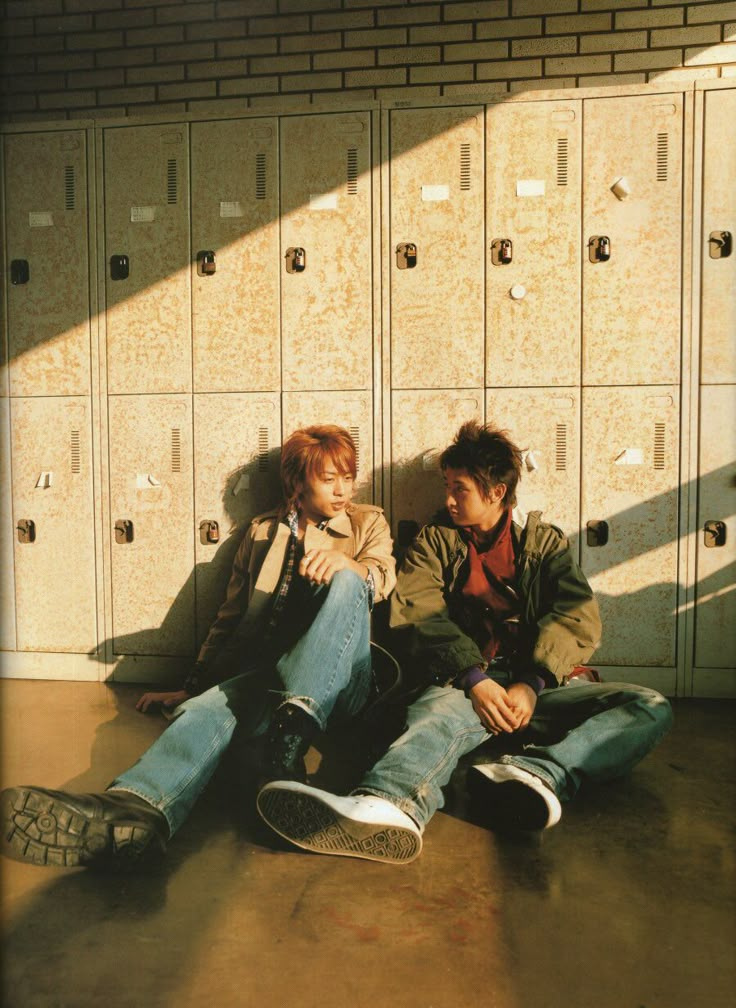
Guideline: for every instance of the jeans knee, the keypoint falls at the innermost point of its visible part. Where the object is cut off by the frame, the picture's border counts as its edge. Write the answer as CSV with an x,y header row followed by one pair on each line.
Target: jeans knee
x,y
345,585
657,707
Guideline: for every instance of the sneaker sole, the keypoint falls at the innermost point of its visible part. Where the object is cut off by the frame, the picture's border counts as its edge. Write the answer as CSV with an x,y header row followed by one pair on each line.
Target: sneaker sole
x,y
311,824
42,830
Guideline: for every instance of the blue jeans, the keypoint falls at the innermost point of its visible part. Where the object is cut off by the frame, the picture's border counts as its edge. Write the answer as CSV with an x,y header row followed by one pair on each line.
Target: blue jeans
x,y
327,670
591,732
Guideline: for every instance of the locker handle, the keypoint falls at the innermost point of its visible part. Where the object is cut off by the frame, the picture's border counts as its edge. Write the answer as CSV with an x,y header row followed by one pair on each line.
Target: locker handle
x,y
714,534
123,530
502,251
406,255
209,532
596,533
206,263
296,259
720,244
119,267
599,248
26,530
20,272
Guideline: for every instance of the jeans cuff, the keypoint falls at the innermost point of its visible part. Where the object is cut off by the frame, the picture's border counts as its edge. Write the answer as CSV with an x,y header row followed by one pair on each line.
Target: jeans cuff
x,y
518,761
146,798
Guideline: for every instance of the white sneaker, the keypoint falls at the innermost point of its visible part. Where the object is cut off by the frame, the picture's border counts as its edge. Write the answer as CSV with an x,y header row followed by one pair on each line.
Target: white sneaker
x,y
513,798
362,826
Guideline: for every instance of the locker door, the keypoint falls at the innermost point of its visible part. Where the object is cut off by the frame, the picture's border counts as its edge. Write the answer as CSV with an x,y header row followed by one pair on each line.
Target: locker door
x,y
152,555
715,612
423,423
436,208
7,578
235,273
147,282
52,489
353,411
48,257
533,154
326,212
718,320
545,424
630,484
236,477
633,198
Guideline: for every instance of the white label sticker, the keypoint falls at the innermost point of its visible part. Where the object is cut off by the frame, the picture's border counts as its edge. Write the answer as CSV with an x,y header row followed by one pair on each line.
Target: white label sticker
x,y
323,201
40,220
431,459
44,481
630,456
435,193
144,481
242,484
233,209
140,214
530,187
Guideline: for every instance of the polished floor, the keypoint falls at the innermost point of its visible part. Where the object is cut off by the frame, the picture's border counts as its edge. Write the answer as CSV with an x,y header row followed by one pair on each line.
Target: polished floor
x,y
627,903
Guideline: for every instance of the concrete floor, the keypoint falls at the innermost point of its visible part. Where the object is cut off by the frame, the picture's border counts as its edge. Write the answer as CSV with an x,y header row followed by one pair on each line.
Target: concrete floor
x,y
628,903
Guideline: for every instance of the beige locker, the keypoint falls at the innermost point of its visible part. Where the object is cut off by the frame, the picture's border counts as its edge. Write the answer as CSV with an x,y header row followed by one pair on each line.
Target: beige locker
x,y
53,521
151,534
545,425
7,578
47,253
630,443
715,609
235,252
423,424
718,293
435,253
632,239
326,251
351,410
147,279
533,157
236,439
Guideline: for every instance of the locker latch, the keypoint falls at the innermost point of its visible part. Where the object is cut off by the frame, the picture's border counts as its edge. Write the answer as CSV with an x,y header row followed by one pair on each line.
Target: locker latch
x,y
206,264
119,267
599,248
406,255
123,530
714,534
209,532
720,244
296,260
20,271
502,251
26,530
596,533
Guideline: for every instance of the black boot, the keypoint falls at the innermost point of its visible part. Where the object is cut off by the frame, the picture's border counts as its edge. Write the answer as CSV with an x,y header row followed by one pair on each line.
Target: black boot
x,y
114,830
287,742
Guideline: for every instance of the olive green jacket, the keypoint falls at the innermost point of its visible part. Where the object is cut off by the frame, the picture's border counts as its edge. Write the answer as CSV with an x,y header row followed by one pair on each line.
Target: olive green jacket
x,y
559,622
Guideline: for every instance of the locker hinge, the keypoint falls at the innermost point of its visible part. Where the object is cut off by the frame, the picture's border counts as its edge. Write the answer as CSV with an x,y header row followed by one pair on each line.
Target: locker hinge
x,y
20,271
714,534
209,532
596,533
720,244
206,264
406,255
296,260
599,248
26,530
123,530
119,267
502,251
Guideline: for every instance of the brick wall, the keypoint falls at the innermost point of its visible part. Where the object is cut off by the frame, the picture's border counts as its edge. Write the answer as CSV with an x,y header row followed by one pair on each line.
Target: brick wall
x,y
100,58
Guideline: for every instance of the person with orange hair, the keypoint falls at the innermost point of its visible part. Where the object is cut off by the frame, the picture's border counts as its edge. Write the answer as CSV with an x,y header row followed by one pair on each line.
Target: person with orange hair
x,y
289,648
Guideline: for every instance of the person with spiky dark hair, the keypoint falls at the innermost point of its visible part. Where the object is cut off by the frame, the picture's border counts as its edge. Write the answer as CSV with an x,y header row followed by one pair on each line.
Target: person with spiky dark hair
x,y
492,619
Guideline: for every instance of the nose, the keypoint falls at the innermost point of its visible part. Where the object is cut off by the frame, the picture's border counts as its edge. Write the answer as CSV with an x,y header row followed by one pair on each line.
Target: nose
x,y
339,487
450,499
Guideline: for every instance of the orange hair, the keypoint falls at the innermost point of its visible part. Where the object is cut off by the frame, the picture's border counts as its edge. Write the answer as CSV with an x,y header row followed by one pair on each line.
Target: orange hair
x,y
305,453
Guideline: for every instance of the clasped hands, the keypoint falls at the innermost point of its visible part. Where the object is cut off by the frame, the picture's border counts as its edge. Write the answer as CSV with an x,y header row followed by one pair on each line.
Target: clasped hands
x,y
503,710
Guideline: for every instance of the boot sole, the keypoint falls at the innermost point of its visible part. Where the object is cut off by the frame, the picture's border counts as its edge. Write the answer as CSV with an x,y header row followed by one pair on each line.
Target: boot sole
x,y
43,830
313,825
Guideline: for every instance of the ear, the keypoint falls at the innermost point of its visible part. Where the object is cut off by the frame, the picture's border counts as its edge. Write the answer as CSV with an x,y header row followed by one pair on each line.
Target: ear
x,y
497,494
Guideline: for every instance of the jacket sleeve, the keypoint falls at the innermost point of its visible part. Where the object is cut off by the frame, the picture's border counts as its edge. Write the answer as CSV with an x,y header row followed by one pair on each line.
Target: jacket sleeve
x,y
376,552
566,629
423,630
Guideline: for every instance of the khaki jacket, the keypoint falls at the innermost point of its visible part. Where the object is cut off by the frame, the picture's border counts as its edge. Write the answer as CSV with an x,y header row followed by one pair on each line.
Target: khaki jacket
x,y
559,623
360,531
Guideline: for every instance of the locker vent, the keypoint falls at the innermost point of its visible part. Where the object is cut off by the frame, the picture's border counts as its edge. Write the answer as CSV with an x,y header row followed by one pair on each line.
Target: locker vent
x,y
561,447
176,449
76,452
465,166
262,449
562,153
353,171
172,181
355,437
659,430
663,141
70,188
260,176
